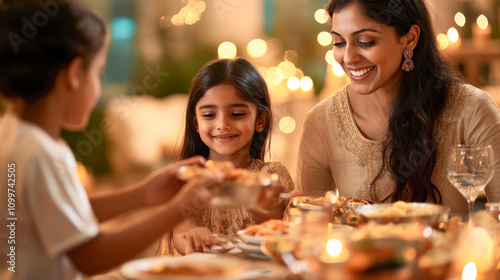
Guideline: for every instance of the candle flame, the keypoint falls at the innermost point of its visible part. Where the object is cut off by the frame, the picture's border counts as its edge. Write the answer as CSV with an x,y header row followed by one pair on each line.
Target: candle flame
x,y
334,247
469,272
482,22
443,41
460,19
453,35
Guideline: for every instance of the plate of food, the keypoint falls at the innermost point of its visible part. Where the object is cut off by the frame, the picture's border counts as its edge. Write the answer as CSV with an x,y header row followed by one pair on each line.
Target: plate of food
x,y
190,267
256,234
404,212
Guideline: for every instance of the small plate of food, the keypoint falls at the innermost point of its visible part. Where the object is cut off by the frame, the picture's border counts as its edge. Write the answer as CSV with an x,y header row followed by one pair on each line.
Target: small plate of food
x,y
256,234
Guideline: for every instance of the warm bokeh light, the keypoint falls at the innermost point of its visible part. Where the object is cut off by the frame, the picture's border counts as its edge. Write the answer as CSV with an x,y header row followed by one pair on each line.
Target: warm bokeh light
x,y
329,57
482,22
334,247
443,41
469,272
227,50
321,16
324,38
189,14
337,69
460,19
453,35
287,125
291,56
274,76
293,83
287,69
298,73
306,83
257,48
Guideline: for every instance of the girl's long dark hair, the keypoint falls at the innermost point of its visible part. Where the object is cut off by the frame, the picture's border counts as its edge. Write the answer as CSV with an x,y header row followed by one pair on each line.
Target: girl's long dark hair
x,y
409,149
38,38
249,83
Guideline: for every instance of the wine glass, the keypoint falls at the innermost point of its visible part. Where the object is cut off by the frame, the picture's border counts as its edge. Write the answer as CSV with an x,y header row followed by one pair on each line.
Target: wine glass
x,y
469,169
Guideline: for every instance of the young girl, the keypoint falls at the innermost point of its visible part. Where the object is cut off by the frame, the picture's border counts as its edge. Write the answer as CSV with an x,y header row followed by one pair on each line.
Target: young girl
x,y
228,118
49,74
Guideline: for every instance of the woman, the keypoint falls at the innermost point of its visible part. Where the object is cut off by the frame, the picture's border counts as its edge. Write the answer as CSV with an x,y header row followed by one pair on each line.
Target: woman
x,y
383,137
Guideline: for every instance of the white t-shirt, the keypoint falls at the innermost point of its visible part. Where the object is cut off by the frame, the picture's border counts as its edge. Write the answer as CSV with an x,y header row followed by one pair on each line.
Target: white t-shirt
x,y
51,211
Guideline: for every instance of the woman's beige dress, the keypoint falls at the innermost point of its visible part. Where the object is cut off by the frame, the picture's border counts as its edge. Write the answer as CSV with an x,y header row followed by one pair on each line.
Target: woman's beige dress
x,y
334,154
230,220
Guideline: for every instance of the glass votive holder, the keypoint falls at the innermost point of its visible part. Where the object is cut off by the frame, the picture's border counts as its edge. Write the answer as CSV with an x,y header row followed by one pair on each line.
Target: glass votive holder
x,y
493,208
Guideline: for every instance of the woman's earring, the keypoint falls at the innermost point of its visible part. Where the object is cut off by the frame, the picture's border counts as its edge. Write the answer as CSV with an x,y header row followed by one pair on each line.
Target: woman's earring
x,y
408,63
197,131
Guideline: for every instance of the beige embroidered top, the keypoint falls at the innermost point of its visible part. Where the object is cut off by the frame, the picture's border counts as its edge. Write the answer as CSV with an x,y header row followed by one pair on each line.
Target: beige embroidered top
x,y
334,154
229,220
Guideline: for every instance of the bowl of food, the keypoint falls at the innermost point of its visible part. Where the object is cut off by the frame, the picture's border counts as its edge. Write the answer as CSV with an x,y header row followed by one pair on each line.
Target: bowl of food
x,y
240,187
403,212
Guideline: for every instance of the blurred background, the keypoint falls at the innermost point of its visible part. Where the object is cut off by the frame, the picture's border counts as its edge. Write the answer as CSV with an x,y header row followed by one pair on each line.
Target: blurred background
x,y
157,46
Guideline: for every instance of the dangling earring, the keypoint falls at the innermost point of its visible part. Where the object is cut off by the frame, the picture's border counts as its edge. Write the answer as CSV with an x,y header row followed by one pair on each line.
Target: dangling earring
x,y
408,63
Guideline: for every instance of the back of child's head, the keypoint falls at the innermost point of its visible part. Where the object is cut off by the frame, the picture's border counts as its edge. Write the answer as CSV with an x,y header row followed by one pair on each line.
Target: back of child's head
x,y
39,38
250,86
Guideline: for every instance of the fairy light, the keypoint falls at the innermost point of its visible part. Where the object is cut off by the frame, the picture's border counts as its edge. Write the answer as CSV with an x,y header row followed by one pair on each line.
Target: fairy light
x,y
274,75
189,14
257,48
329,57
306,83
227,50
321,16
443,41
287,69
293,83
287,125
460,19
337,69
453,35
482,22
324,38
299,73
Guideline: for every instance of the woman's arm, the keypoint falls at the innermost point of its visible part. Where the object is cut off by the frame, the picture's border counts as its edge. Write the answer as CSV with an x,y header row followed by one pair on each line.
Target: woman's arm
x,y
313,171
119,243
155,189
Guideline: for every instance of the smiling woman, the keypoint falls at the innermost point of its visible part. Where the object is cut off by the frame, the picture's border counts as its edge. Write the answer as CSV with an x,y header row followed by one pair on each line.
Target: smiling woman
x,y
383,136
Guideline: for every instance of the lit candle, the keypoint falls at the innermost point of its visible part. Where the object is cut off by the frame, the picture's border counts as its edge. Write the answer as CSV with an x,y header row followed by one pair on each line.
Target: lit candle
x,y
476,257
454,38
481,32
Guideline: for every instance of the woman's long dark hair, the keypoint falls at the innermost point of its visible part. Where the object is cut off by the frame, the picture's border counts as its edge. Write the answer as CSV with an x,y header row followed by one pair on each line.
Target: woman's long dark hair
x,y
38,38
409,150
250,85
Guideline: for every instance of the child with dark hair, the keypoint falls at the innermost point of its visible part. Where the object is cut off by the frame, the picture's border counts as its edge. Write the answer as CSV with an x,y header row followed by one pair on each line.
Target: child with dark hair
x,y
52,54
228,118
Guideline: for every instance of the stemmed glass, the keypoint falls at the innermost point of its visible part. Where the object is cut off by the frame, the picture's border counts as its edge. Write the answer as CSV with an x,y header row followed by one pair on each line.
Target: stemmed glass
x,y
469,169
